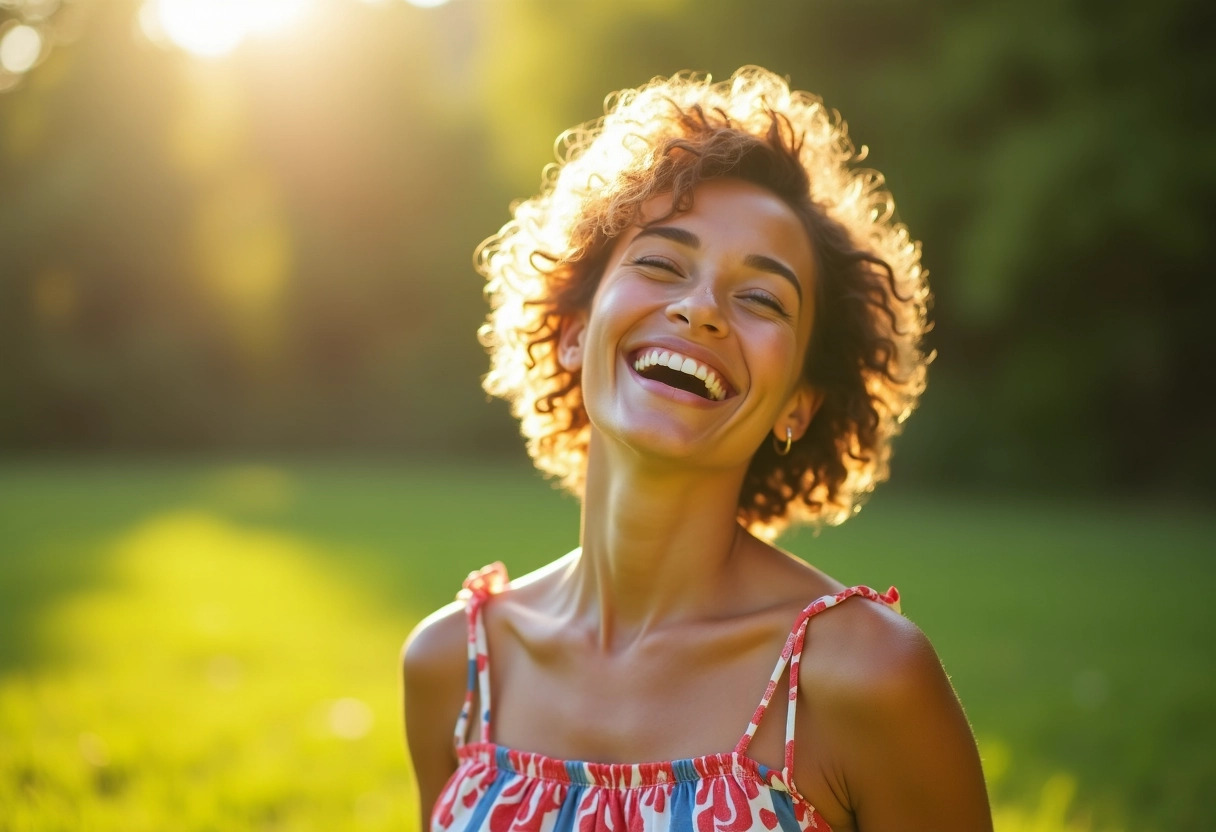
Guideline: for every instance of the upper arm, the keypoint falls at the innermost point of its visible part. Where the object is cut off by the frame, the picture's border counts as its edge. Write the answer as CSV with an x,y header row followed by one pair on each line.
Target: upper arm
x,y
904,751
434,666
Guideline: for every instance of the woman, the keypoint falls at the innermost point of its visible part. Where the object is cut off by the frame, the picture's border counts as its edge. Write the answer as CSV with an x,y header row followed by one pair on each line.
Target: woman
x,y
708,325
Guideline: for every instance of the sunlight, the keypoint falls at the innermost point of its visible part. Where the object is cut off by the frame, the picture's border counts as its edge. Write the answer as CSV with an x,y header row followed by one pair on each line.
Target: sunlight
x,y
212,28
1053,809
221,675
20,48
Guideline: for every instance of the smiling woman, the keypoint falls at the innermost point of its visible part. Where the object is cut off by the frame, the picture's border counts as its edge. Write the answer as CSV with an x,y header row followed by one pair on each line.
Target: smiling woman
x,y
658,143
709,327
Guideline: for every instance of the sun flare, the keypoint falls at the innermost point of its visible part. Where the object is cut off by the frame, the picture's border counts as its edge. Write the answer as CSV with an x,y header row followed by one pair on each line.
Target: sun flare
x,y
212,28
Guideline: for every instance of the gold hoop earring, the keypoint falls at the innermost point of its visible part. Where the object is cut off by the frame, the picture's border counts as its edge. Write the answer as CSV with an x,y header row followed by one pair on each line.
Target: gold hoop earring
x,y
782,450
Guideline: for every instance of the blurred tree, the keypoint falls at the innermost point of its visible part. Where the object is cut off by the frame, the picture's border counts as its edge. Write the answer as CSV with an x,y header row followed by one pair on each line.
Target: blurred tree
x,y
268,251
1066,177
271,250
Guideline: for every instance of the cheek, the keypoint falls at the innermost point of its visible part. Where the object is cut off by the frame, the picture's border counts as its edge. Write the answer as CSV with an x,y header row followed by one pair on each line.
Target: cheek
x,y
620,304
617,310
780,354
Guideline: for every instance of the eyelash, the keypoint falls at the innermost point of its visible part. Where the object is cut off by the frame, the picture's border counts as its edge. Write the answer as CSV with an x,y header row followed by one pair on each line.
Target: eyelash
x,y
769,301
656,262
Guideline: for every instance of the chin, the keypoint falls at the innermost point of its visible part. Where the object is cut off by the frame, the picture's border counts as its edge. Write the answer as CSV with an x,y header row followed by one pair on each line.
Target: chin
x,y
664,441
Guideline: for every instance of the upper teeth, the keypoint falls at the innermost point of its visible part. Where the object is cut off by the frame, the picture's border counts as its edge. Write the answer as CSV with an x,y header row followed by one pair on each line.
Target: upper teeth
x,y
688,366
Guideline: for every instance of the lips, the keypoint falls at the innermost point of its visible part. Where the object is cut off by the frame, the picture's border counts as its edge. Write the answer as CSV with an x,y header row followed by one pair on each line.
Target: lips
x,y
680,371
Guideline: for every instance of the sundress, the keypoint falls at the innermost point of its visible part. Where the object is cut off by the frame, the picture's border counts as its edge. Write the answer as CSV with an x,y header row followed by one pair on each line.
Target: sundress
x,y
499,789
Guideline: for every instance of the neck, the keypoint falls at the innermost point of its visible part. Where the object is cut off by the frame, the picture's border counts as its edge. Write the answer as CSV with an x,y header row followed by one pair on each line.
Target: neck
x,y
658,542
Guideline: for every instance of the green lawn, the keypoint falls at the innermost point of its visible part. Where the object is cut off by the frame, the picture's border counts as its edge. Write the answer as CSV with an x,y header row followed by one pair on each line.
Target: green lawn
x,y
206,646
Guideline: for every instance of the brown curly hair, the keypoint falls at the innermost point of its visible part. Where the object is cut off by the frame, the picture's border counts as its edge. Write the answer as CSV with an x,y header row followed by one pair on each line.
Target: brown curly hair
x,y
666,137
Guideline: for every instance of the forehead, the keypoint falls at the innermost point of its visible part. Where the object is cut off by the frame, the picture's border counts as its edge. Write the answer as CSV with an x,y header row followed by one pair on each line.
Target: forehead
x,y
731,216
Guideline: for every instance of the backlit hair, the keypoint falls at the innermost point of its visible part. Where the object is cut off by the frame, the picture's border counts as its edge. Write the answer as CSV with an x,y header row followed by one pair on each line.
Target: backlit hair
x,y
664,138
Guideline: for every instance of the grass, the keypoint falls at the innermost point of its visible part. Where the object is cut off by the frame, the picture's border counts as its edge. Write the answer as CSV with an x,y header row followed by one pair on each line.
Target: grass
x,y
197,646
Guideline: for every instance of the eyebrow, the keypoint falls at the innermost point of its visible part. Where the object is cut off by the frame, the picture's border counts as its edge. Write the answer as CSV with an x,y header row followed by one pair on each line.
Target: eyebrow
x,y
684,237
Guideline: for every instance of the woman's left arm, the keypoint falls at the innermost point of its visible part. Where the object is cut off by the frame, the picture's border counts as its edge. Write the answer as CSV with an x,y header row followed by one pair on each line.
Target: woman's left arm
x,y
905,753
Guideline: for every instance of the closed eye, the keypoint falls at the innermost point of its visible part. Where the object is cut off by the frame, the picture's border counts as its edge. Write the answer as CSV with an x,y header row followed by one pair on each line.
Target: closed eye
x,y
657,262
765,299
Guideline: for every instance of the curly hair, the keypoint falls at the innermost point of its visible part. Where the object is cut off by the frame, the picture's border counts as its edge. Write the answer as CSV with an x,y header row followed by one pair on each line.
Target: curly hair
x,y
664,138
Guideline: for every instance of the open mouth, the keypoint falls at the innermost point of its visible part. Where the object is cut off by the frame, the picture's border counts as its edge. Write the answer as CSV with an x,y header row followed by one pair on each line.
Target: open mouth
x,y
681,372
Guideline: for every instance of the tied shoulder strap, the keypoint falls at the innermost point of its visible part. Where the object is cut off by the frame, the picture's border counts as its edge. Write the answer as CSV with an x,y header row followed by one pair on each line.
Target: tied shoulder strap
x,y
478,588
791,654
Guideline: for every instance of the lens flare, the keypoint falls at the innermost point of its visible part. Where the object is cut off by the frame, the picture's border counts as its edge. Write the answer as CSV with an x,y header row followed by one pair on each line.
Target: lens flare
x,y
213,28
20,48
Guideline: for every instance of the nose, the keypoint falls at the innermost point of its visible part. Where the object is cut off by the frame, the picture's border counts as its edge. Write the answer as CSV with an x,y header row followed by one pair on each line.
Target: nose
x,y
699,309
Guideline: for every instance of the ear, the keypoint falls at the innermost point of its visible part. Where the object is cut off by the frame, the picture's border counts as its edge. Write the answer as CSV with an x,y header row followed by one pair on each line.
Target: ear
x,y
570,343
798,412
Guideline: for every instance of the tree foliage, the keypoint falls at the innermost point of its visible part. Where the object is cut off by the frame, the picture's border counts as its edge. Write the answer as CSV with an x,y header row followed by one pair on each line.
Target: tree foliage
x,y
272,250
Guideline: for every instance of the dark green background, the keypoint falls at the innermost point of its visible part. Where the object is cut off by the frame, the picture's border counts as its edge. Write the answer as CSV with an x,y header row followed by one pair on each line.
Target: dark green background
x,y
1056,158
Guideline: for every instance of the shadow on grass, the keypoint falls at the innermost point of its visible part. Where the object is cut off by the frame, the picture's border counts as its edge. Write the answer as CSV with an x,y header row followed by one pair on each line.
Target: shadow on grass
x,y
219,679
55,521
410,535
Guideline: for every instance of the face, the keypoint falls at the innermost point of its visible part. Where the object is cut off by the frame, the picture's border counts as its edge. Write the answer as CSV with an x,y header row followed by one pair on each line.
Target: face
x,y
694,343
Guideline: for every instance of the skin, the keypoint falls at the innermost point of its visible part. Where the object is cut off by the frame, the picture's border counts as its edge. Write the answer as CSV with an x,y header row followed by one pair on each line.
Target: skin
x,y
655,639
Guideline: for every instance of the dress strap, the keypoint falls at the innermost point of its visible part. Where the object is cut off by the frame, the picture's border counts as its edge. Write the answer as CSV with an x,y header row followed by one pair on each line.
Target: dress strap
x,y
791,654
478,588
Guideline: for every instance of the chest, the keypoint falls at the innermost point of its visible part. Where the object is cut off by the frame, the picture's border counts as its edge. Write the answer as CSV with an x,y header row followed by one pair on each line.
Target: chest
x,y
688,694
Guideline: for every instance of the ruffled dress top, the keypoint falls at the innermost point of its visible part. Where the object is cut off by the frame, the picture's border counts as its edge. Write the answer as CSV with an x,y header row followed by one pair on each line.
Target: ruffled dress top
x,y
497,789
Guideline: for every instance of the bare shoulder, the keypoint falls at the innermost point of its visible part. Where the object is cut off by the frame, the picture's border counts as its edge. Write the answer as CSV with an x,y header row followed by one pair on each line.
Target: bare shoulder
x,y
437,645
434,668
862,649
888,724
